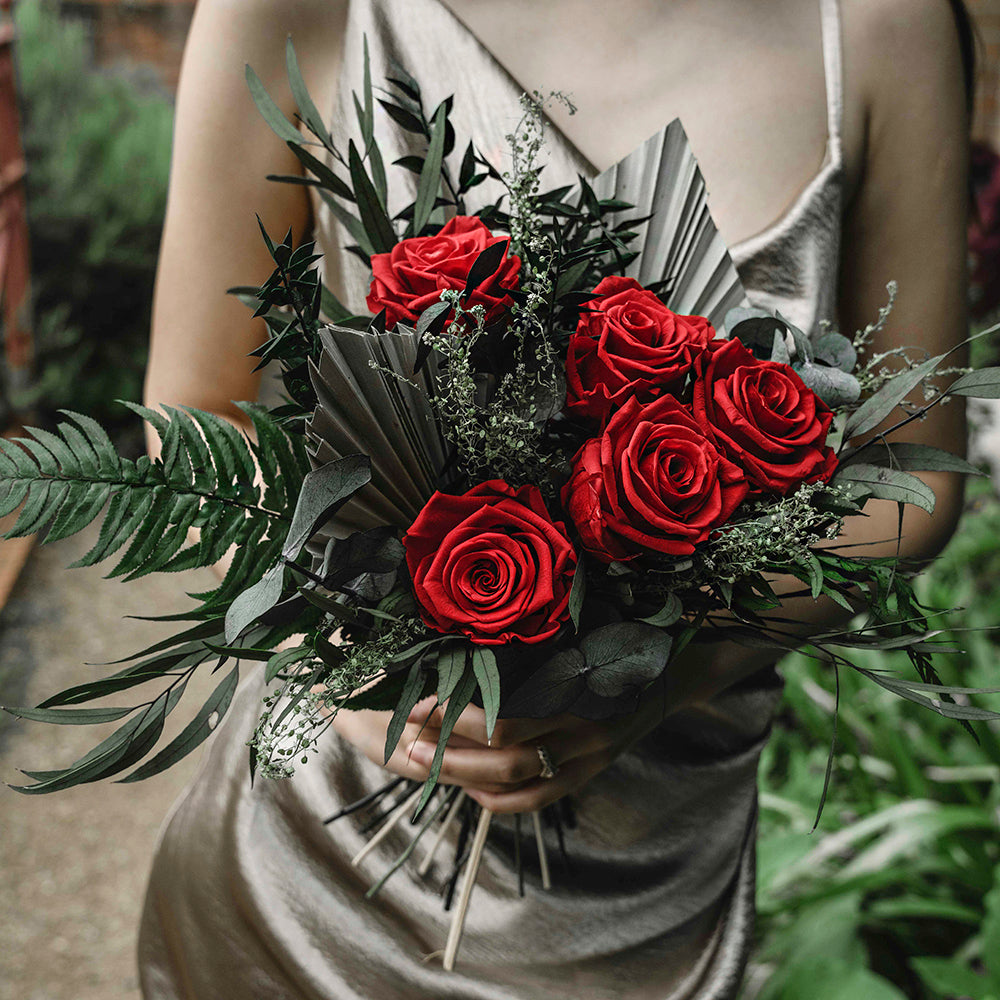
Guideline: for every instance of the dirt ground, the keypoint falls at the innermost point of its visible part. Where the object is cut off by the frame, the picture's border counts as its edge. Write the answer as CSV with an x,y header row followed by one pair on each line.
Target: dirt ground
x,y
73,865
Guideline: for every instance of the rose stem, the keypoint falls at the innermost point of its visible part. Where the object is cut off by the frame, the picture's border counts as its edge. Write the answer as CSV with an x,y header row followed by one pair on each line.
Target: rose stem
x,y
366,801
471,871
379,816
518,860
389,825
425,865
543,858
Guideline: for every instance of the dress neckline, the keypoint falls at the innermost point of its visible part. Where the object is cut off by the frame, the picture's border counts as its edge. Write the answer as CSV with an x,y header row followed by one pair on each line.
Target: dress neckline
x,y
830,165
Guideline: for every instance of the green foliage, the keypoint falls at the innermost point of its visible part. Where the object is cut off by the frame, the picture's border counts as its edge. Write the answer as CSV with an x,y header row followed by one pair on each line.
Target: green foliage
x,y
98,152
890,893
204,477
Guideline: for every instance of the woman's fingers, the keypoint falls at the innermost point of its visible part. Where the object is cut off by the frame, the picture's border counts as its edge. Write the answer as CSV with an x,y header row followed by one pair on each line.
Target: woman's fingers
x,y
541,792
474,766
472,724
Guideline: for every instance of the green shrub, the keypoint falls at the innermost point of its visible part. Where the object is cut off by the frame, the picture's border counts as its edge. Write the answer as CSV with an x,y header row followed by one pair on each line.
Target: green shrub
x,y
98,151
897,894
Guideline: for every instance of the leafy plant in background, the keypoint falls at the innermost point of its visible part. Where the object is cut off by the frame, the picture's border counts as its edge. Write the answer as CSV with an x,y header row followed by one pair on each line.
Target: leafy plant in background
x,y
897,894
98,154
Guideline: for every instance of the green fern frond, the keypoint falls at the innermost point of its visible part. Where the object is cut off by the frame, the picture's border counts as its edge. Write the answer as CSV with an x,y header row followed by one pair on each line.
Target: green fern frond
x,y
205,477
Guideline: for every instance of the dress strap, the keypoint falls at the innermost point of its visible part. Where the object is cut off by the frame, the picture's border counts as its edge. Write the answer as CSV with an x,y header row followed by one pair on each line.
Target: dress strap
x,y
833,62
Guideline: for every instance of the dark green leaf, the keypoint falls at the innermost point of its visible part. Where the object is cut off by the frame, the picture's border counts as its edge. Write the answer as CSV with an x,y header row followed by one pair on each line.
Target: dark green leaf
x,y
886,484
876,408
457,703
484,666
195,732
577,592
485,265
307,109
624,655
270,111
430,175
70,716
324,491
549,690
983,384
377,225
413,689
450,667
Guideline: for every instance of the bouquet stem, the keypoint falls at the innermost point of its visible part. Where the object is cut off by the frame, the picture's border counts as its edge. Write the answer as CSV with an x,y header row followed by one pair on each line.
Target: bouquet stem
x,y
425,865
543,856
471,871
390,825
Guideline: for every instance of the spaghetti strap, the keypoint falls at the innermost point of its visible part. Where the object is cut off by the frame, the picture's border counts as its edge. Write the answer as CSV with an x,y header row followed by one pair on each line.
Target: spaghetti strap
x,y
833,63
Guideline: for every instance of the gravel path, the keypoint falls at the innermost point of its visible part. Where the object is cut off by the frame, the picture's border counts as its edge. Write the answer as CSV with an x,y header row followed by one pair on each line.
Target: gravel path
x,y
73,864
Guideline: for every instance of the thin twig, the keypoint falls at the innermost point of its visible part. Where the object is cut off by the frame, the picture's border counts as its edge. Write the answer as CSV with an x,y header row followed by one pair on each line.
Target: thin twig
x,y
471,871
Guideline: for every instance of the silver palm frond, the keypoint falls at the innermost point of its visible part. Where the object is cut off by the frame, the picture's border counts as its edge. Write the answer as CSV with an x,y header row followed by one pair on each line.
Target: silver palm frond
x,y
369,401
680,243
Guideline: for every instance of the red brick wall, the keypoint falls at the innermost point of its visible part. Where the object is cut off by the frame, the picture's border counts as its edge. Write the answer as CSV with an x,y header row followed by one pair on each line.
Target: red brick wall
x,y
146,32
986,120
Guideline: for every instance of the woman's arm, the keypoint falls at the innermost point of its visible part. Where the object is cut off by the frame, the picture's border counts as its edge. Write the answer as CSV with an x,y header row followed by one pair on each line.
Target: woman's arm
x,y
222,153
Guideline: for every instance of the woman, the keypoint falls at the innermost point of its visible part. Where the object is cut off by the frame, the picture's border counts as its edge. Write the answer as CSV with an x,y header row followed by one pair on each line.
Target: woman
x,y
832,137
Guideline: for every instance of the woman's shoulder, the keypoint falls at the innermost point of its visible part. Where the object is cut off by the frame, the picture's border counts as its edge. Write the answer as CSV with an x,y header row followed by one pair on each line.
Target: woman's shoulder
x,y
258,28
892,46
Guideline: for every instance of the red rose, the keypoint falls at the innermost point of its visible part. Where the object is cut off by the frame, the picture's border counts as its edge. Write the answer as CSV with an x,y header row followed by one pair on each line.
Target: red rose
x,y
629,344
653,480
491,564
765,418
411,276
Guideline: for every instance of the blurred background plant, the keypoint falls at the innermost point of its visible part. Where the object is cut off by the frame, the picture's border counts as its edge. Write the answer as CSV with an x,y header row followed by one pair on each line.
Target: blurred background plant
x,y
897,893
98,148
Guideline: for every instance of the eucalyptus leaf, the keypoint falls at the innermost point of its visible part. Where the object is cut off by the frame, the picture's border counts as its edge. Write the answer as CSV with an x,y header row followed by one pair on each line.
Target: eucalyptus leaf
x,y
551,689
911,457
324,491
70,716
668,615
837,351
877,407
254,601
883,483
624,655
982,384
835,387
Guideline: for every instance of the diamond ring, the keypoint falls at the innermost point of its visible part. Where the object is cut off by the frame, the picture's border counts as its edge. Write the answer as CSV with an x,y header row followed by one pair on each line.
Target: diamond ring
x,y
549,768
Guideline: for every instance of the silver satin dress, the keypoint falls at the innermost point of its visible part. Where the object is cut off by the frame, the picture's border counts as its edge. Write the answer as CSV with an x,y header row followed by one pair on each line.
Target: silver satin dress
x,y
252,896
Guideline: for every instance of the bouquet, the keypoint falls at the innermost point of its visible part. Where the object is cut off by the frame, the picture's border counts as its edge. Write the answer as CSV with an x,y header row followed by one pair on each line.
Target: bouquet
x,y
559,446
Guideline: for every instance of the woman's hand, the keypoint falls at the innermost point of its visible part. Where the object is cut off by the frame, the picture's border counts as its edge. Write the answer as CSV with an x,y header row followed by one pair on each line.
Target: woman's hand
x,y
504,774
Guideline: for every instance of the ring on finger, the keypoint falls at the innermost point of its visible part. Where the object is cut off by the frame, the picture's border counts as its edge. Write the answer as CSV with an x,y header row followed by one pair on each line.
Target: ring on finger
x,y
549,769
